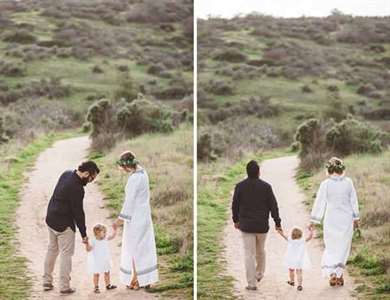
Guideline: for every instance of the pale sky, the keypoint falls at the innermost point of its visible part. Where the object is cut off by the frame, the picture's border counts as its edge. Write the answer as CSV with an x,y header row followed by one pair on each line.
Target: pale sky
x,y
291,8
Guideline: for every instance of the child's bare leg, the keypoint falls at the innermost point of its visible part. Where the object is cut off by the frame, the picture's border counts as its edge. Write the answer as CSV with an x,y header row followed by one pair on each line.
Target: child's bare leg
x,y
299,277
291,274
107,278
96,279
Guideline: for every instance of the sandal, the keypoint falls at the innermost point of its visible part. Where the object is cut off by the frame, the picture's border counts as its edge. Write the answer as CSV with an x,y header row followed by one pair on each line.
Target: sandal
x,y
97,291
110,287
292,283
332,280
133,286
299,288
340,281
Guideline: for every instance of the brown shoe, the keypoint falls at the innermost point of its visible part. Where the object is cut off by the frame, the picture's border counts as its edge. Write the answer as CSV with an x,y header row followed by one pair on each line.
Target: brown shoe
x,y
68,291
251,288
48,287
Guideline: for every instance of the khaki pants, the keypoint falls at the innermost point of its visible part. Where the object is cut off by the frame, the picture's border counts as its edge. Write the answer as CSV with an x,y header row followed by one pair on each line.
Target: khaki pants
x,y
59,243
254,256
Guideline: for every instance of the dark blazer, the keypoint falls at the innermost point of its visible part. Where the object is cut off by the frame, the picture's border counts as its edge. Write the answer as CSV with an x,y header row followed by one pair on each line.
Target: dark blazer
x,y
66,204
253,200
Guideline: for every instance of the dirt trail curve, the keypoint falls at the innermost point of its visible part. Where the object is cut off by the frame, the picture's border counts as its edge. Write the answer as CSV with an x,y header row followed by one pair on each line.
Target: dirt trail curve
x,y
32,234
279,173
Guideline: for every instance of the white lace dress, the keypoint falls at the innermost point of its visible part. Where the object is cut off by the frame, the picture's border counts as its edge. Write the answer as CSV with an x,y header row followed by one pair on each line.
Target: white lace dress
x,y
296,255
99,258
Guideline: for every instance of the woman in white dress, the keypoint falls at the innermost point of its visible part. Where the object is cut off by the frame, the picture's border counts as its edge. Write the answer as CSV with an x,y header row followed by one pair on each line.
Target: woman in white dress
x,y
138,266
336,204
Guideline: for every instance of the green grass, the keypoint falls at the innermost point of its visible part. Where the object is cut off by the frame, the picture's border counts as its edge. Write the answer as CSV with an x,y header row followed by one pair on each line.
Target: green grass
x,y
216,181
168,160
369,260
15,282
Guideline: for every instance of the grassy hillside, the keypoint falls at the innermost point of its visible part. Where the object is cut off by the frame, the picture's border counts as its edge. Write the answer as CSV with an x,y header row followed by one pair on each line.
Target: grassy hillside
x,y
168,161
264,76
57,58
370,258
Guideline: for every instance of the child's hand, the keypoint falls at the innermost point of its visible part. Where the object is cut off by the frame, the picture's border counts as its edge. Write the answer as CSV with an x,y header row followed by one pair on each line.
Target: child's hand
x,y
112,235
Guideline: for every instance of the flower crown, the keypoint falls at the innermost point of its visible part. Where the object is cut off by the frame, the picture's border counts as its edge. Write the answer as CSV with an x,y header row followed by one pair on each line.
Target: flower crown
x,y
126,162
335,165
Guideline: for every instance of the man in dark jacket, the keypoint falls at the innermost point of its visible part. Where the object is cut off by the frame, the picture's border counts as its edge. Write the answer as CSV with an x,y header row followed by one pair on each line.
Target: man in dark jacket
x,y
65,211
253,201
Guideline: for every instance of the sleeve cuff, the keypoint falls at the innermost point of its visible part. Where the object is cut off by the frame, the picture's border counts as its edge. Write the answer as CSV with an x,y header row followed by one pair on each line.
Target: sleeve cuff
x,y
315,220
124,217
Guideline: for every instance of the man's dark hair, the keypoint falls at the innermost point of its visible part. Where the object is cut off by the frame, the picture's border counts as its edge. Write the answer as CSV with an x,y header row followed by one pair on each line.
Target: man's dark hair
x,y
252,169
89,166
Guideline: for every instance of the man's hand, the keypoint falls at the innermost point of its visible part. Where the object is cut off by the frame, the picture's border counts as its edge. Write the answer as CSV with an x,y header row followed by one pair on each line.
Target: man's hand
x,y
355,224
278,228
237,225
85,240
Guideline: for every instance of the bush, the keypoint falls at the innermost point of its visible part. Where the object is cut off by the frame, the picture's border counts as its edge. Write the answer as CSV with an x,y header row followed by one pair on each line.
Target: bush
x,y
12,70
155,69
230,55
20,36
126,89
171,93
366,89
205,150
220,87
100,117
97,69
3,135
318,140
306,89
352,136
142,116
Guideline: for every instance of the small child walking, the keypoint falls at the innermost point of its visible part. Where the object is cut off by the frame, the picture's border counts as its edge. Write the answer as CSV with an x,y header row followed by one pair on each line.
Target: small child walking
x,y
296,258
99,258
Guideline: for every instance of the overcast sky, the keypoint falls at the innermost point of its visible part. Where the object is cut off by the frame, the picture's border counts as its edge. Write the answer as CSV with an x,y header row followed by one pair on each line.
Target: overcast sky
x,y
291,8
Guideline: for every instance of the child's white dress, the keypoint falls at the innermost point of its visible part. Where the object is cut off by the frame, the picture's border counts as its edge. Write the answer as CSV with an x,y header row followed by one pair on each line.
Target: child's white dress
x,y
296,255
99,258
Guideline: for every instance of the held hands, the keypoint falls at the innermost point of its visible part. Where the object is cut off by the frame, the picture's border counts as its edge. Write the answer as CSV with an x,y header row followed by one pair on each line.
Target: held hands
x,y
85,240
237,225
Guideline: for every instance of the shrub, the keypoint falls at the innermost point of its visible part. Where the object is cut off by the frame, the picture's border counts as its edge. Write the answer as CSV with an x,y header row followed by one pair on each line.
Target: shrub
x,y
230,55
20,36
366,89
142,116
353,136
205,150
3,135
220,87
155,69
306,89
126,89
100,117
12,70
171,93
97,69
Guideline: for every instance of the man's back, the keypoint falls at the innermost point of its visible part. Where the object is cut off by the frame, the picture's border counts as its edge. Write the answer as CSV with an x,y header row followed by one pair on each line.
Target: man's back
x,y
253,200
66,204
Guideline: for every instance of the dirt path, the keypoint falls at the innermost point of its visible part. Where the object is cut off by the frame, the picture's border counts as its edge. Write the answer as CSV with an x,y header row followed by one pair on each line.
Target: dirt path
x,y
32,235
280,174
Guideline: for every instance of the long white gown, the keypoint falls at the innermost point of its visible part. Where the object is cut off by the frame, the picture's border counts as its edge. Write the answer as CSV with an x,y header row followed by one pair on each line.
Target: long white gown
x,y
337,204
138,241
